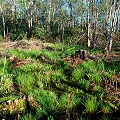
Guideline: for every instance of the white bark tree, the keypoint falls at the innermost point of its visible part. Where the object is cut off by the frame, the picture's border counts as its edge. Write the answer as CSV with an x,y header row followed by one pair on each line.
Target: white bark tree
x,y
111,20
89,43
2,6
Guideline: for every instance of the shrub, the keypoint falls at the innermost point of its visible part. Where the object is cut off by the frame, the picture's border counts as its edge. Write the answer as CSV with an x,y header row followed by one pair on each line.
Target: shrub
x,y
40,33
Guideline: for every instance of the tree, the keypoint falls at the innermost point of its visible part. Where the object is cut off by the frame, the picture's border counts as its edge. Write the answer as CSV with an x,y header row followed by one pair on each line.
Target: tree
x,y
89,25
111,22
2,9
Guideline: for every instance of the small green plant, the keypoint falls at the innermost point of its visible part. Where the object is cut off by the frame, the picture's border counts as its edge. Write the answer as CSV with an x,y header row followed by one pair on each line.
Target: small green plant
x,y
104,117
48,102
30,116
90,65
91,105
4,66
78,74
100,65
106,107
50,118
25,82
69,101
57,75
85,84
69,50
94,77
6,84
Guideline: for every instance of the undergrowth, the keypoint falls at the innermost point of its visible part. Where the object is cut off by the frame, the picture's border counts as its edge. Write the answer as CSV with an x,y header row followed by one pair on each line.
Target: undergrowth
x,y
50,87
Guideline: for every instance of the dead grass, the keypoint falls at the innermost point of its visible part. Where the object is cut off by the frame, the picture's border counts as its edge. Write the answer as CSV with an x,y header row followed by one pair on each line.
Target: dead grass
x,y
24,45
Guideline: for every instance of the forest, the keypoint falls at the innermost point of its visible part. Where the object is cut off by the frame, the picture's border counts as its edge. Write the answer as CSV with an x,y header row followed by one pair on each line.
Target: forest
x,y
59,60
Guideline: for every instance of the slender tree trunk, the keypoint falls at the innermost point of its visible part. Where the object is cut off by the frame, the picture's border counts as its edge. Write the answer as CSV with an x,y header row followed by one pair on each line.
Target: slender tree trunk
x,y
95,23
72,16
107,23
49,17
63,41
111,29
31,16
62,25
3,25
3,20
112,22
89,26
30,19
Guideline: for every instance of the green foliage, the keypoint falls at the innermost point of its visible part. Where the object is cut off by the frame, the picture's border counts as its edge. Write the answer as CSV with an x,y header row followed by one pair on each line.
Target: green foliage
x,y
25,53
94,77
100,66
52,85
1,37
104,117
91,105
30,116
78,74
20,105
40,33
57,75
84,84
26,81
8,97
14,36
48,102
6,84
50,118
70,50
72,35
90,65
4,66
68,101
107,107
114,66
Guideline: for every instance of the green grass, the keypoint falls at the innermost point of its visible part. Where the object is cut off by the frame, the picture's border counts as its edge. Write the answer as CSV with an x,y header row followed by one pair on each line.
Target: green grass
x,y
91,105
67,103
48,81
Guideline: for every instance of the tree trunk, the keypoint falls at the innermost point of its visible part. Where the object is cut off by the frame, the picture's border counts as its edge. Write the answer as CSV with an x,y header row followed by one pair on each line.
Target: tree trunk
x,y
63,42
113,22
89,26
95,23
4,25
49,17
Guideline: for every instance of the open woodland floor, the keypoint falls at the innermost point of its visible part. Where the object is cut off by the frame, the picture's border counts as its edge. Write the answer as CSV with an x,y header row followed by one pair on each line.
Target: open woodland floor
x,y
39,81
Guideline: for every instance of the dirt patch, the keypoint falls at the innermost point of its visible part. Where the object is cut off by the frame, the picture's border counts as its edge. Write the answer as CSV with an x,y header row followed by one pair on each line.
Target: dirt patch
x,y
24,45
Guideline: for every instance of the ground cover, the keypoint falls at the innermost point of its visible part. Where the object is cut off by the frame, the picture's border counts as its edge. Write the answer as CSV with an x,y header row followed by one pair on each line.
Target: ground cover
x,y
40,81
